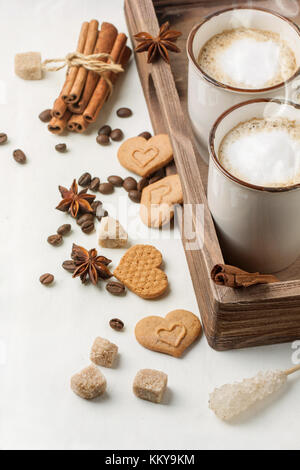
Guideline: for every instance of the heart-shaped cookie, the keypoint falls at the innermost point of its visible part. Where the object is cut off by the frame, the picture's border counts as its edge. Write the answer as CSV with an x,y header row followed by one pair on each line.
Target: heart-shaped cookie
x,y
169,335
139,271
158,199
144,157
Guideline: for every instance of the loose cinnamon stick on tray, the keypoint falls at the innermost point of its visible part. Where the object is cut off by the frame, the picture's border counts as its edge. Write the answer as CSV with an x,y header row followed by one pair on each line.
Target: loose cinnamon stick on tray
x,y
57,125
74,94
104,44
60,106
231,276
102,89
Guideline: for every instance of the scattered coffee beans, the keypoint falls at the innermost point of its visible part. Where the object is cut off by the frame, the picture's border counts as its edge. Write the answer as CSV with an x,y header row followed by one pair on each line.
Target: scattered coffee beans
x,y
146,135
135,195
61,148
64,229
46,279
94,186
100,212
88,226
106,130
55,240
116,180
85,218
69,266
142,184
116,324
45,116
102,139
116,288
124,112
3,138
116,135
129,183
19,156
106,188
85,180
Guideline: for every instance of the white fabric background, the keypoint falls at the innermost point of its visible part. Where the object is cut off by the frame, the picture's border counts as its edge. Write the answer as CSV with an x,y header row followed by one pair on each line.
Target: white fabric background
x,y
46,333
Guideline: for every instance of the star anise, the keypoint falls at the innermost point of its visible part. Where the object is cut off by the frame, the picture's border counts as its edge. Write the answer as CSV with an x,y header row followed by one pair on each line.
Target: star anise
x,y
89,264
74,200
159,45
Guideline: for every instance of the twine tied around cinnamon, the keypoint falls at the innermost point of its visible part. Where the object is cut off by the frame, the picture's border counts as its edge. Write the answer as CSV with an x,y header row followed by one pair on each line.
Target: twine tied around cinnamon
x,y
90,62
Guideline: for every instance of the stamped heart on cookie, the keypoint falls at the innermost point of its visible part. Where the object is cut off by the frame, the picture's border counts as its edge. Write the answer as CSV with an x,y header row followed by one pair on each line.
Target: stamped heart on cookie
x,y
169,335
144,157
139,271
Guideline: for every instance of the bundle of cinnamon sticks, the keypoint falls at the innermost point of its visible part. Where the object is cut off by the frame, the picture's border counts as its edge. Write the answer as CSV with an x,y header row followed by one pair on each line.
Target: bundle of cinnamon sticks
x,y
84,91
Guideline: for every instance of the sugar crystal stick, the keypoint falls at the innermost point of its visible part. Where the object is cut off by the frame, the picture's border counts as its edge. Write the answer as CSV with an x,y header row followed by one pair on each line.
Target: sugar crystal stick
x,y
232,399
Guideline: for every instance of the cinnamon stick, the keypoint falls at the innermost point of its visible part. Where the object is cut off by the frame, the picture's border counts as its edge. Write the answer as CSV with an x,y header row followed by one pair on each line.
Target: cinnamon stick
x,y
57,125
102,89
77,123
60,106
75,92
231,276
104,44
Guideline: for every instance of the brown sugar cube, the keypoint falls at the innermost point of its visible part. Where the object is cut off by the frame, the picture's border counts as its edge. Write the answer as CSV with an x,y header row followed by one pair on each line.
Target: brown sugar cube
x,y
103,352
150,384
28,65
89,383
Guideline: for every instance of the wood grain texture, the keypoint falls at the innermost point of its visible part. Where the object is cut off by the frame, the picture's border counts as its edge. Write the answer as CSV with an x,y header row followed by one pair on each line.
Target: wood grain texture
x,y
231,318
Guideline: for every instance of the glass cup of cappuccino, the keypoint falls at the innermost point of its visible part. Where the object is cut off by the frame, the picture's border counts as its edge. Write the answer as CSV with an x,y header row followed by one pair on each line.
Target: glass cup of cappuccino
x,y
254,184
236,55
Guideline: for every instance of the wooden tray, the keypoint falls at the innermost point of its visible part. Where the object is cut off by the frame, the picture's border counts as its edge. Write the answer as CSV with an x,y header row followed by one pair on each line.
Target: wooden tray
x,y
255,316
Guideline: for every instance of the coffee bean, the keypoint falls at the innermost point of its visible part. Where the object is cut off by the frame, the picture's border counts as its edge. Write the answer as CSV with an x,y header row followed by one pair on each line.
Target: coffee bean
x,y
106,188
69,266
19,156
46,279
61,147
100,212
129,183
46,116
124,112
154,179
115,287
104,130
88,226
116,324
142,184
94,186
116,135
135,195
85,218
3,138
85,180
158,175
116,180
146,135
64,229
55,240
102,139
94,206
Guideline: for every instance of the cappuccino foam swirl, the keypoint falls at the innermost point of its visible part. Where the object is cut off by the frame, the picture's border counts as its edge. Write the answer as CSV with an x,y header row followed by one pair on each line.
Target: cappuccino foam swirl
x,y
248,58
263,152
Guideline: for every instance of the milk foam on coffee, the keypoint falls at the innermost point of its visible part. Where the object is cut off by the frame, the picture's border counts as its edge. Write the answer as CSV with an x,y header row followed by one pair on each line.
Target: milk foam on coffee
x,y
263,152
248,58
